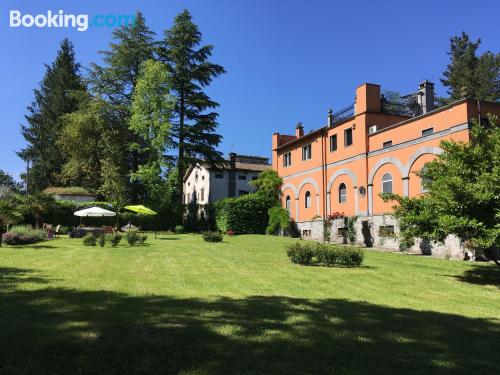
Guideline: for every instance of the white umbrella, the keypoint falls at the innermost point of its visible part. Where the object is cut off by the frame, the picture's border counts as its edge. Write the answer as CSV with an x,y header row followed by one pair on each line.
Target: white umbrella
x,y
94,212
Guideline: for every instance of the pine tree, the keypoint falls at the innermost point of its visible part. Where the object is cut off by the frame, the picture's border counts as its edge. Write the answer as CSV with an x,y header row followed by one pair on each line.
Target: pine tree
x,y
194,123
469,75
53,99
115,82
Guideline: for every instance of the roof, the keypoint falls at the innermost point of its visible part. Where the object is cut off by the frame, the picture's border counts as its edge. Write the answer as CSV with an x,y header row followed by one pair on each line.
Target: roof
x,y
73,190
242,163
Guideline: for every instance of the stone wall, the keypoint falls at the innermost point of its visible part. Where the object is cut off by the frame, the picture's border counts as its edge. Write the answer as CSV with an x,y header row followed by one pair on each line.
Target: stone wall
x,y
379,231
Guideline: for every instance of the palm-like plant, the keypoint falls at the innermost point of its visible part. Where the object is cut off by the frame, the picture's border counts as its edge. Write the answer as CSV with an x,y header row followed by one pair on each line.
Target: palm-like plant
x,y
36,205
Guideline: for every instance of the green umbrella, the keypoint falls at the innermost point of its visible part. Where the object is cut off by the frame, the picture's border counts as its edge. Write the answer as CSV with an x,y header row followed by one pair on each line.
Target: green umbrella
x,y
140,209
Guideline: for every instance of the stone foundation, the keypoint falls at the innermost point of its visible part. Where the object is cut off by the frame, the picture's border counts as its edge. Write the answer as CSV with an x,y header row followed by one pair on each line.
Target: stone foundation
x,y
379,231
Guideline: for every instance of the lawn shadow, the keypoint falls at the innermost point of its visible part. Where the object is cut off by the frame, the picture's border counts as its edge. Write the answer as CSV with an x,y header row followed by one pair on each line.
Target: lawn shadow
x,y
56,330
168,238
482,275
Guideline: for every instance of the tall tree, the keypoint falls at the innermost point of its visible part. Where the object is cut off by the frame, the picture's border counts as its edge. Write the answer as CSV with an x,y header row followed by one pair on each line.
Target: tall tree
x,y
115,83
152,107
53,99
469,75
194,123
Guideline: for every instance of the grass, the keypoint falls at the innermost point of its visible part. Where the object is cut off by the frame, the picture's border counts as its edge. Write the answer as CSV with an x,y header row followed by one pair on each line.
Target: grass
x,y
181,305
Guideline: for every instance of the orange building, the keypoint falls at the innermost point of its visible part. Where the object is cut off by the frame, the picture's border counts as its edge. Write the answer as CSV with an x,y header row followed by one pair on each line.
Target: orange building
x,y
373,146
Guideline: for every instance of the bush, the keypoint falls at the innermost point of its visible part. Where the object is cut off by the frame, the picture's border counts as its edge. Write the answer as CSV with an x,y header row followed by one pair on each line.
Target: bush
x,y
212,236
179,229
245,215
114,239
132,237
301,253
278,219
142,239
23,235
90,240
64,230
102,240
77,233
325,254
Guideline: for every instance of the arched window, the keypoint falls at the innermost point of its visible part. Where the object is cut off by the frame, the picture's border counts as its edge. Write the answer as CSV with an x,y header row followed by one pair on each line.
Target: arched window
x,y
424,181
342,193
387,183
288,202
308,200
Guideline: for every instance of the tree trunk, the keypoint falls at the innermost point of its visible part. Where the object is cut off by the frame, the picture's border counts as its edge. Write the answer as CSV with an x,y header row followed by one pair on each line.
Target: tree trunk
x,y
180,160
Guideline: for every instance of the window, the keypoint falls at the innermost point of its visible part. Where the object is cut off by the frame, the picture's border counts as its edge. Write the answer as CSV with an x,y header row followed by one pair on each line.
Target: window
x,y
287,159
333,142
196,176
387,183
387,144
308,199
306,233
386,231
189,183
428,131
347,137
242,177
219,175
306,152
202,195
288,203
203,178
424,181
342,193
242,192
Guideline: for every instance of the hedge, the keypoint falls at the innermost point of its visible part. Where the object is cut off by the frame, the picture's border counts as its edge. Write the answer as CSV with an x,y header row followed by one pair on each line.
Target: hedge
x,y
247,214
311,253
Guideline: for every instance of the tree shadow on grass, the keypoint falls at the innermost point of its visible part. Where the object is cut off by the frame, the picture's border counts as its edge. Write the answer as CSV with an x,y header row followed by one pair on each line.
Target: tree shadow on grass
x,y
53,330
482,275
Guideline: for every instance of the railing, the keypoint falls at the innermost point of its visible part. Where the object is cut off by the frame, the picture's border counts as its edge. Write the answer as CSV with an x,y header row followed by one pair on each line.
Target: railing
x,y
343,114
397,107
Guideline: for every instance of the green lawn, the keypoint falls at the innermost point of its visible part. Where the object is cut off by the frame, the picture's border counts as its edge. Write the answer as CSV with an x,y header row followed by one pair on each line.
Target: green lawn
x,y
181,305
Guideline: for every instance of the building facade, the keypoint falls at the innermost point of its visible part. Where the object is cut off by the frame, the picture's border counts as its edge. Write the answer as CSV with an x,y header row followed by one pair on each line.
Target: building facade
x,y
204,184
373,146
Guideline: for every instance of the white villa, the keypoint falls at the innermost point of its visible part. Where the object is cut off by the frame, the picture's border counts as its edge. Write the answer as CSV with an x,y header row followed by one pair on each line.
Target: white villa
x,y
204,184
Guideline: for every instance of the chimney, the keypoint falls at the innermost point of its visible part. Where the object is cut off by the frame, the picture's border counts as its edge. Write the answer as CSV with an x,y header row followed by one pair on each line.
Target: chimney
x,y
299,130
425,96
330,118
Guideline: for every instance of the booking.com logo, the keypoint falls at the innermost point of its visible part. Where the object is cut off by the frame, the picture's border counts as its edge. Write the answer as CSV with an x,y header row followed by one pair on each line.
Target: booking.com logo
x,y
59,19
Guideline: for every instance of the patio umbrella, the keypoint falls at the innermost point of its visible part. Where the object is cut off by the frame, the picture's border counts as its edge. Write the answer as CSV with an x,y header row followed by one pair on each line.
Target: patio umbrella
x,y
94,212
140,209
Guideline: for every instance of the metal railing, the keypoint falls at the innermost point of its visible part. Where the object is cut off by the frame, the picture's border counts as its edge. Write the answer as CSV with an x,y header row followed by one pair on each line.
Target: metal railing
x,y
343,114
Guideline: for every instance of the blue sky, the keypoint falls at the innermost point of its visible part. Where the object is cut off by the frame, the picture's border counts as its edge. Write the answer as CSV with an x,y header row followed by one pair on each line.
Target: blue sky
x,y
286,61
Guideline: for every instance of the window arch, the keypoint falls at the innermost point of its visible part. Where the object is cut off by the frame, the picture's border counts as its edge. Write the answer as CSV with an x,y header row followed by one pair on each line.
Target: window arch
x,y
288,203
387,183
342,193
308,199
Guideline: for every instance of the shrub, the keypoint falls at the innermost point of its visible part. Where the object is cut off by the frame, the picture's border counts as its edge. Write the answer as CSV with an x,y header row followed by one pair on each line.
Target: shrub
x,y
142,239
23,235
132,237
90,240
300,253
64,230
179,229
350,256
114,239
325,254
77,233
245,215
102,240
212,236
278,219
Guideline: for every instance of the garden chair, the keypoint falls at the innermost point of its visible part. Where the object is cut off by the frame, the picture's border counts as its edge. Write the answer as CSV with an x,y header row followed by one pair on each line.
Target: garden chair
x,y
107,230
56,232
